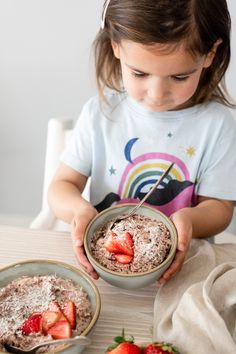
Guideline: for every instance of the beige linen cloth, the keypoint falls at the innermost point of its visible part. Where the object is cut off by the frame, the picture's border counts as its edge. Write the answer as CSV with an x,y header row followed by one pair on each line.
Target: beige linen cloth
x,y
196,310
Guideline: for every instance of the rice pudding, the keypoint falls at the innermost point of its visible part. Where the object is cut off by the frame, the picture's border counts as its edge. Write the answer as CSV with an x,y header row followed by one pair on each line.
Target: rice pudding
x,y
134,245
28,297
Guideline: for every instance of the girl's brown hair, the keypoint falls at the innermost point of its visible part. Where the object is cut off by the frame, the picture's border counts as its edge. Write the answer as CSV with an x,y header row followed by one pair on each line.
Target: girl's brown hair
x,y
196,23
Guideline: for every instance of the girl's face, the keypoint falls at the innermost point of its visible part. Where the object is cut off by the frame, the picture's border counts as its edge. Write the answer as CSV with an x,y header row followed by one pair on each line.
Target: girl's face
x,y
161,78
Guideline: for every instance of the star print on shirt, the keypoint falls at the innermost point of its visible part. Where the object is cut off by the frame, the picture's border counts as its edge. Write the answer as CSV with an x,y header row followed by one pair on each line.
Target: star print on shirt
x,y
190,151
112,171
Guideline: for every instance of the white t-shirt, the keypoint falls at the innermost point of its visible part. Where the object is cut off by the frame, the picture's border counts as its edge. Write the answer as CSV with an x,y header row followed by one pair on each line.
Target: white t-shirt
x,y
125,148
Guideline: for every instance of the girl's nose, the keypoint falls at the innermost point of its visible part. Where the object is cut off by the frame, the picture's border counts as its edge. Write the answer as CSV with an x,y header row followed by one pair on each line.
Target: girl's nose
x,y
157,90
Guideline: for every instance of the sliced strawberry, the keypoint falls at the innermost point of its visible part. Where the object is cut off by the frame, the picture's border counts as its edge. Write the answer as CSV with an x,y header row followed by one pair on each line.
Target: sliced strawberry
x,y
54,306
60,330
120,244
49,319
111,244
62,316
69,311
123,258
126,244
33,324
36,313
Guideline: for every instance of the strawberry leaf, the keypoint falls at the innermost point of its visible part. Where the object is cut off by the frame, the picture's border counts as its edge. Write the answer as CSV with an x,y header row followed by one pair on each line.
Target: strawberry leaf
x,y
111,347
119,339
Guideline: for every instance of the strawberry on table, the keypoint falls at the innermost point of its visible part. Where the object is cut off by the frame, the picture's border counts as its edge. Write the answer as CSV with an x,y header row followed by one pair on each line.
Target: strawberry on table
x,y
124,346
33,324
160,348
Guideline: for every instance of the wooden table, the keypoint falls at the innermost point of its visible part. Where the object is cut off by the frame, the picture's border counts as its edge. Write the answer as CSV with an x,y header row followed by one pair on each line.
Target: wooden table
x,y
129,309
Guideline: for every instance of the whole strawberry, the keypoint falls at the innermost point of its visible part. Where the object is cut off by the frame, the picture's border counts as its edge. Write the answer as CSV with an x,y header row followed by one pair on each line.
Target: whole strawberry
x,y
126,348
160,348
123,345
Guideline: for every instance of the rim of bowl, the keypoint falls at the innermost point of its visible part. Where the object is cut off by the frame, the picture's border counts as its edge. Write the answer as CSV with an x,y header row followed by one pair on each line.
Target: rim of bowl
x,y
83,275
170,254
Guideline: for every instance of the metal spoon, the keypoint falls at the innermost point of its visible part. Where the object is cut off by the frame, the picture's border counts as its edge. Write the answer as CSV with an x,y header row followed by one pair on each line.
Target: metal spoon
x,y
80,339
165,173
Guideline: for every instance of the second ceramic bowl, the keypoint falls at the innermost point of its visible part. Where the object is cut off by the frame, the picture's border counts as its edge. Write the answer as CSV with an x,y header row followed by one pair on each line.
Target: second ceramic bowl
x,y
63,270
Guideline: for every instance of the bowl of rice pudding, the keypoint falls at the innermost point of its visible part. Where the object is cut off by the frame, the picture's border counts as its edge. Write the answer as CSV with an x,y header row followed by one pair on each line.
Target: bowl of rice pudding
x,y
44,300
136,251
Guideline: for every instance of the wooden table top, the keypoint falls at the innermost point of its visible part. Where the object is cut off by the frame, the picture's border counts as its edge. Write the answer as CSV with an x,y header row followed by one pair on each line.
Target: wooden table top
x,y
129,309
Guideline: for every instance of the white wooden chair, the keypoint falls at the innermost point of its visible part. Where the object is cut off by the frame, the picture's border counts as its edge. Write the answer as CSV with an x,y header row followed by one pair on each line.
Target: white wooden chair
x,y
58,132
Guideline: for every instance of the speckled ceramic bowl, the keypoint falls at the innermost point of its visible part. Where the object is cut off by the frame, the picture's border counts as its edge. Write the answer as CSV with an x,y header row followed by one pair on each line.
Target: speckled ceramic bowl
x,y
63,270
135,280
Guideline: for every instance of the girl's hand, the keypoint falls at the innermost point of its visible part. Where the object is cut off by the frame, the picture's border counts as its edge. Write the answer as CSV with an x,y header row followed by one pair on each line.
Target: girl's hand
x,y
78,226
184,228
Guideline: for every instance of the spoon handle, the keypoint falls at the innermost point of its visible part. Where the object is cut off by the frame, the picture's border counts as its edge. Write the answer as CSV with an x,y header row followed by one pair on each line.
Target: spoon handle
x,y
165,173
83,340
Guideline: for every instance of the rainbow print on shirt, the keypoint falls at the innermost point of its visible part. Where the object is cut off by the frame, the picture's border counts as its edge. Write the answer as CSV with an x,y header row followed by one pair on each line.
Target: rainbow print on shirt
x,y
175,191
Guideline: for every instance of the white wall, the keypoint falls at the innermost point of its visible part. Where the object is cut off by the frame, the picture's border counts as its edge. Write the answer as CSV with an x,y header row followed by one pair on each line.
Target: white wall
x,y
45,71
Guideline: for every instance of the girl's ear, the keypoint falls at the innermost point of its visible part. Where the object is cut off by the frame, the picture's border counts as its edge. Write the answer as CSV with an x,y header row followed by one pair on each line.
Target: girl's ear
x,y
116,49
211,54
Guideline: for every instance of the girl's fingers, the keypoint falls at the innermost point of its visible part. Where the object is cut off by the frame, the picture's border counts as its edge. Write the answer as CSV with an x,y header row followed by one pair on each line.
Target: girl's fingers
x,y
174,268
83,261
184,228
77,234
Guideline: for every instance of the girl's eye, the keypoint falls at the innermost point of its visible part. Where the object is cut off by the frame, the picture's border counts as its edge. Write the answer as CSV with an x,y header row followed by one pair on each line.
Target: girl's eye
x,y
139,75
180,78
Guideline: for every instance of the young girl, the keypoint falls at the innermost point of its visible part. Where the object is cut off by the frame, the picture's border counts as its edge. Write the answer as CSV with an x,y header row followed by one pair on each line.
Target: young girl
x,y
164,63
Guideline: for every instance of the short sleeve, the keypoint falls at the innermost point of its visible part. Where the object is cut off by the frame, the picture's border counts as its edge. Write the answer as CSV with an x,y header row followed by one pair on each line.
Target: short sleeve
x,y
78,151
217,178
